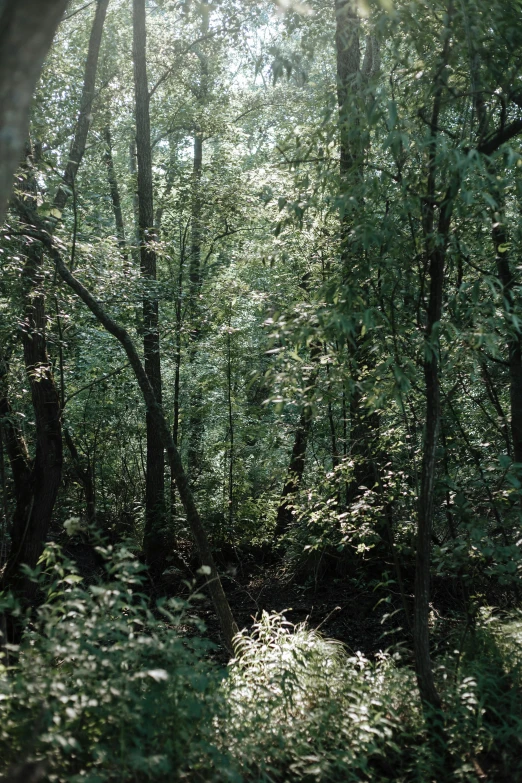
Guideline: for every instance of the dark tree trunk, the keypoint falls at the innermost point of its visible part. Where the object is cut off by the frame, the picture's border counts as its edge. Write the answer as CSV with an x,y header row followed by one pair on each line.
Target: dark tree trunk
x,y
194,315
38,488
85,475
352,76
436,237
154,538
348,53
195,434
17,453
36,481
177,363
298,457
27,29
295,470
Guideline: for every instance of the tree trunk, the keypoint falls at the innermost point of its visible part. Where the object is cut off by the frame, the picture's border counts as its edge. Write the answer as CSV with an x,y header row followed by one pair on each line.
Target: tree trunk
x,y
352,75
298,456
85,475
115,195
27,28
153,542
436,240
85,114
195,423
36,481
177,362
39,483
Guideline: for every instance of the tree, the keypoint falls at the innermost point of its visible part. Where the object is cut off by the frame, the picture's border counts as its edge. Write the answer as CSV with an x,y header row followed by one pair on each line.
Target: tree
x,y
27,28
154,544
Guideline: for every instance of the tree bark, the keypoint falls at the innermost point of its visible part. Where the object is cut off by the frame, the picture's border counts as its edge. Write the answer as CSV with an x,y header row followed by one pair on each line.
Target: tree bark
x,y
298,456
153,542
85,475
436,239
352,76
27,28
36,481
39,484
115,195
195,423
348,54
195,434
85,114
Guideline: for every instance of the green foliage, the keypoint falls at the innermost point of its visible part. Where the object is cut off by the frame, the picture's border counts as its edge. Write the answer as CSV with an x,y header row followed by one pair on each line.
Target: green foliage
x,y
101,687
298,707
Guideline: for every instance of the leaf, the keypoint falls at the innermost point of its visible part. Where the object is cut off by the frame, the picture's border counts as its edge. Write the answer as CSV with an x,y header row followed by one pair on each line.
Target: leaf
x,y
72,579
159,675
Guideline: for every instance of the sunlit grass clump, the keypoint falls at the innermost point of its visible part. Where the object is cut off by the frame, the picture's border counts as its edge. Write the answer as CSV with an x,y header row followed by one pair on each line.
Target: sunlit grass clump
x,y
298,707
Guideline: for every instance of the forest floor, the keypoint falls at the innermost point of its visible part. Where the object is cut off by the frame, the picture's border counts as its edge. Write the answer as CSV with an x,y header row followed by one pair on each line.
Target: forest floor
x,y
366,616
341,608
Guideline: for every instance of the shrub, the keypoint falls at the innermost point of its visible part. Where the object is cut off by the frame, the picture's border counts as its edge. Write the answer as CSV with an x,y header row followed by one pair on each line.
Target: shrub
x,y
298,708
103,689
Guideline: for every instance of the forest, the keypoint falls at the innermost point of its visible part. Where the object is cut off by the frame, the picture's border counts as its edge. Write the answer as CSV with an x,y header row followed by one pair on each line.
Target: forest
x,y
260,391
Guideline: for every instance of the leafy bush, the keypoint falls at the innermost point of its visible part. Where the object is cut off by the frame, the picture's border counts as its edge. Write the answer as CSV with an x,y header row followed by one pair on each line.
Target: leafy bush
x,y
487,720
104,689
298,708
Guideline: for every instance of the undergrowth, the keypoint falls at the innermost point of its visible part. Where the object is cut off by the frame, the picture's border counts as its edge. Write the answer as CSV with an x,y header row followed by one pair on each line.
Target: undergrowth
x,y
104,689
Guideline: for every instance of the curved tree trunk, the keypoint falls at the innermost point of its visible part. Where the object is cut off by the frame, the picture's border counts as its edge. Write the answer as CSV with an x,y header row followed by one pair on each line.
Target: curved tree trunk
x,y
85,114
228,625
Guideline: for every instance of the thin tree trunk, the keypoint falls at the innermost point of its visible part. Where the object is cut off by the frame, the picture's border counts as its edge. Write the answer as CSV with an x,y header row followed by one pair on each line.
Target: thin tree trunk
x,y
27,28
153,541
352,75
298,457
230,425
85,114
177,364
195,423
85,476
436,240
115,196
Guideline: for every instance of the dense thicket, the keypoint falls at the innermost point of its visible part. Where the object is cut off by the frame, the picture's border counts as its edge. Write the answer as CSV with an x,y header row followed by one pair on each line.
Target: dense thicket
x,y
260,322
